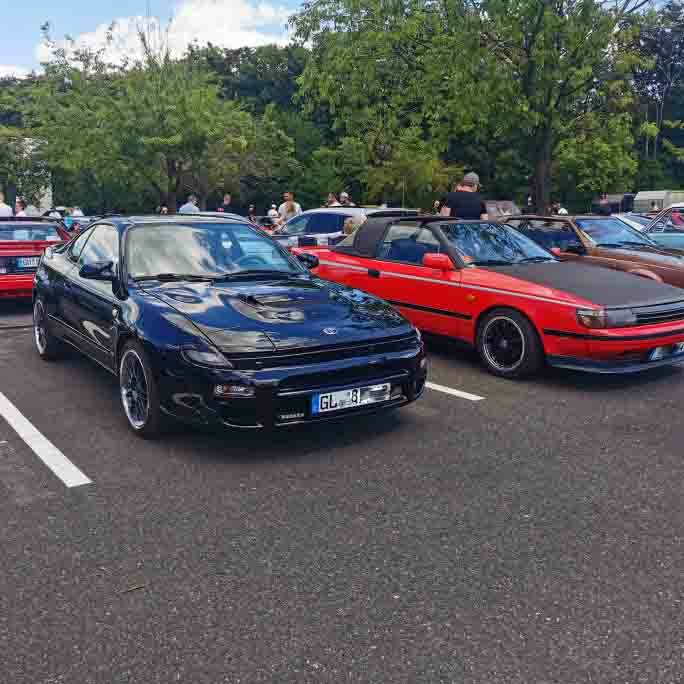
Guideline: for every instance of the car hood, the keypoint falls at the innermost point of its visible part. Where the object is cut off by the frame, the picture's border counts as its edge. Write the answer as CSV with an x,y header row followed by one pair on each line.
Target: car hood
x,y
281,315
591,284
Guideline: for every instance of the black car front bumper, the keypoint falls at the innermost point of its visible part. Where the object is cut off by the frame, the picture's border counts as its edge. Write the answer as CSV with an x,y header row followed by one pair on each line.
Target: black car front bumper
x,y
283,396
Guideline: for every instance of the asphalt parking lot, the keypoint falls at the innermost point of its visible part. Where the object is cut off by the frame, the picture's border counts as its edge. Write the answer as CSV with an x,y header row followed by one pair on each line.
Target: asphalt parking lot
x,y
532,536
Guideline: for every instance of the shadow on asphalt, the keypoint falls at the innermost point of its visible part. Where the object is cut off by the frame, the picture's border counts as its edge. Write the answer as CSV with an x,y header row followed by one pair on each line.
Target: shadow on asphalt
x,y
15,312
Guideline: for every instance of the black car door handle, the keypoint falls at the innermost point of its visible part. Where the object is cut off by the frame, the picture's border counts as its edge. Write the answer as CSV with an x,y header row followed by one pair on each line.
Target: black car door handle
x,y
373,273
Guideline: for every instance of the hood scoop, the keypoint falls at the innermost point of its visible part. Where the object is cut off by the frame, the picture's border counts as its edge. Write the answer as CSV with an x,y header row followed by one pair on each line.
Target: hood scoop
x,y
265,300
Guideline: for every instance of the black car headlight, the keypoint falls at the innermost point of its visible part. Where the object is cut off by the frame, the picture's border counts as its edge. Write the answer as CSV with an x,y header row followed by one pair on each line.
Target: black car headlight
x,y
602,318
205,356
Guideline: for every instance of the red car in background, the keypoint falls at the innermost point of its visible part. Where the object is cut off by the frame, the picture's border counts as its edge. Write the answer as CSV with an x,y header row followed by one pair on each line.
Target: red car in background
x,y
490,286
22,241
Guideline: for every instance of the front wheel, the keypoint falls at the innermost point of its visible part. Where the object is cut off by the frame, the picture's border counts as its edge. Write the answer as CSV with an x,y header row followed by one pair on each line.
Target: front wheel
x,y
509,345
139,395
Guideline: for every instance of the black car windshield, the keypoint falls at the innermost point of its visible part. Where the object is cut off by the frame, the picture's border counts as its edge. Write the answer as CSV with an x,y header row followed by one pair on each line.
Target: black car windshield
x,y
209,250
493,243
612,231
30,233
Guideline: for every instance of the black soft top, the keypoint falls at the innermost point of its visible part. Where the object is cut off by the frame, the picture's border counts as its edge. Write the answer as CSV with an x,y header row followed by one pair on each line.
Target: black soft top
x,y
367,236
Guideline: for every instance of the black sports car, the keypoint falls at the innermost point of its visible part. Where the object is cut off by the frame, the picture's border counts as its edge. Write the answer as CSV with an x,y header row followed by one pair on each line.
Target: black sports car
x,y
210,321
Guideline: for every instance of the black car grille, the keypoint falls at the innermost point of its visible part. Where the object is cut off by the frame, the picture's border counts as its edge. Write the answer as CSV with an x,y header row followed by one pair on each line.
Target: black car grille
x,y
664,313
322,354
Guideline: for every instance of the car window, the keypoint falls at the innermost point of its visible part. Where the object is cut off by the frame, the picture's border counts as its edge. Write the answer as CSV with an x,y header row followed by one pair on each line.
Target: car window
x,y
671,222
610,231
296,226
78,244
549,233
40,233
102,246
408,243
326,223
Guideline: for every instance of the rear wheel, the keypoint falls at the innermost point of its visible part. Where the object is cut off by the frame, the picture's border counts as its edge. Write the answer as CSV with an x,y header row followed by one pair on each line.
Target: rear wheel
x,y
509,345
139,395
48,346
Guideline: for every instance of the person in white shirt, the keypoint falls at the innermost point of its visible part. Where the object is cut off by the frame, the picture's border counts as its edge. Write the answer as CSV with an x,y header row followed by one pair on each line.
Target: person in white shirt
x,y
273,212
77,211
332,200
20,208
190,207
5,209
289,207
345,200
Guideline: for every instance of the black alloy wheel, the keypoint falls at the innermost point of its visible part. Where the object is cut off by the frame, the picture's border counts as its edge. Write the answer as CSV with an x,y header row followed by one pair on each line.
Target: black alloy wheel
x,y
138,388
48,346
509,345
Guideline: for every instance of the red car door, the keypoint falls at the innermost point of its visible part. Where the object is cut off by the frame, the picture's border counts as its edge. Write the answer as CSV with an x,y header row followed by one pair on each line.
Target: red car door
x,y
429,297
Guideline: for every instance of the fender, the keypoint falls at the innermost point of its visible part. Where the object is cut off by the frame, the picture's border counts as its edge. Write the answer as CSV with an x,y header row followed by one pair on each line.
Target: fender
x,y
644,273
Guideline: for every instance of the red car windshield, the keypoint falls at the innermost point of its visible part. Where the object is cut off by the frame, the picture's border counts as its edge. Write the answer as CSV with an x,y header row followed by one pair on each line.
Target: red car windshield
x,y
29,233
493,243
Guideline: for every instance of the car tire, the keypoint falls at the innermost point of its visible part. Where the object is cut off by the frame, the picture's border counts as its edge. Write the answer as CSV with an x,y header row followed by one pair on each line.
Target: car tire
x,y
49,347
139,392
509,345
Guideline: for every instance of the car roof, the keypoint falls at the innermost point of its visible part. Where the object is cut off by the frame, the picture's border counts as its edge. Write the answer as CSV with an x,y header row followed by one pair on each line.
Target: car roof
x,y
28,219
123,222
366,211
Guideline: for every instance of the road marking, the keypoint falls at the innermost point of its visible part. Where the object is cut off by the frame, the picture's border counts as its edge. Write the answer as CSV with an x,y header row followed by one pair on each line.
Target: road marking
x,y
453,392
46,451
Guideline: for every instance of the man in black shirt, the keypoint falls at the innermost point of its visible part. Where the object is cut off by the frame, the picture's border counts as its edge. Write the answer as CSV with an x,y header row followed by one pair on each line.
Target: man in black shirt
x,y
228,207
465,201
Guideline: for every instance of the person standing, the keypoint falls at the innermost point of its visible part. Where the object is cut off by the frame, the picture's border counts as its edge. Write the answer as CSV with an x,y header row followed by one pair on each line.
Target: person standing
x,y
273,212
465,201
289,208
190,207
251,213
5,209
20,208
345,200
332,200
227,206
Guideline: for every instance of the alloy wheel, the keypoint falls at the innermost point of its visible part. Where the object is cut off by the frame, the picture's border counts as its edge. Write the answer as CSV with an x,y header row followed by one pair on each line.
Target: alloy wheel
x,y
39,327
503,344
134,390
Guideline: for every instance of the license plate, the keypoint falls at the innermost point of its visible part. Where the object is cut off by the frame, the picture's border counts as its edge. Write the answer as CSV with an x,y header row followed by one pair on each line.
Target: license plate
x,y
28,262
359,396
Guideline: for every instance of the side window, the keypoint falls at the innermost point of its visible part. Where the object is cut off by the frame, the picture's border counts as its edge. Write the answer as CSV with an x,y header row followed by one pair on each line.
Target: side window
x,y
675,223
408,243
102,246
78,244
297,225
550,234
326,223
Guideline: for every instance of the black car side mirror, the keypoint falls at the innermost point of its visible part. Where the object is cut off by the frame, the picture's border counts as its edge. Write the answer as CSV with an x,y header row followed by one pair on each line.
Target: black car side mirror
x,y
100,270
309,260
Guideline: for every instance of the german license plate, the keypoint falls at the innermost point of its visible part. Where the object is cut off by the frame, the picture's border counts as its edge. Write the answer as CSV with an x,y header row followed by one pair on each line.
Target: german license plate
x,y
351,398
28,262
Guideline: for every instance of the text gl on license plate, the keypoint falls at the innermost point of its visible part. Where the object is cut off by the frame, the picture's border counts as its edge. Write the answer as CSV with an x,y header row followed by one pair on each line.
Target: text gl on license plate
x,y
350,398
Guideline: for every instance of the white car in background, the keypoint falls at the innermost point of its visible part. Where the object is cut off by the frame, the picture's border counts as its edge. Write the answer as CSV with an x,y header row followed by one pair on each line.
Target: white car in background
x,y
325,226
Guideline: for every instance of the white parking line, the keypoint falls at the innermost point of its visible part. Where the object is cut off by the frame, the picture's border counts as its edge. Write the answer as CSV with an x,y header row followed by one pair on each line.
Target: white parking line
x,y
46,451
453,392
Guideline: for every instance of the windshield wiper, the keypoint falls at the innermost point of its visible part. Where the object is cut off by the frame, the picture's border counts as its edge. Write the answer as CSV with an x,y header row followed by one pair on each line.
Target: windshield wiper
x,y
174,277
491,262
635,243
255,273
610,245
535,259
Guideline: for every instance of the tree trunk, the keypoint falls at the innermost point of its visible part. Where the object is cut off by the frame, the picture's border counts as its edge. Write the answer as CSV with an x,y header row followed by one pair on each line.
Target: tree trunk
x,y
541,181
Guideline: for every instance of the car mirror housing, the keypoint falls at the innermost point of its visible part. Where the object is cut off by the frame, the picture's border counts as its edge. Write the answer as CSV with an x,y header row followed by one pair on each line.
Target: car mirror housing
x,y
441,262
309,260
556,251
100,270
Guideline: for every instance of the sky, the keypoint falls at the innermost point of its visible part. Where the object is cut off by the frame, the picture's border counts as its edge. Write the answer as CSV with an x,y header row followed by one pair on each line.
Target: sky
x,y
228,23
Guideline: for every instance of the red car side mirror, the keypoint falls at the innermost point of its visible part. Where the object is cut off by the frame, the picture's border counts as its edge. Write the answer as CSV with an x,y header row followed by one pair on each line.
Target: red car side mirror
x,y
441,262
556,251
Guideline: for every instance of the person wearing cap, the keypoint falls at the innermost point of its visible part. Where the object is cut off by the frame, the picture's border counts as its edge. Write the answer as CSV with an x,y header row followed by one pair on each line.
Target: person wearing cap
x,y
465,202
345,200
273,212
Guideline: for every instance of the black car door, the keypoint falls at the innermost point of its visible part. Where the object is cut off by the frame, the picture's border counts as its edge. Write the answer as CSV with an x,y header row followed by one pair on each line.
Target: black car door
x,y
93,307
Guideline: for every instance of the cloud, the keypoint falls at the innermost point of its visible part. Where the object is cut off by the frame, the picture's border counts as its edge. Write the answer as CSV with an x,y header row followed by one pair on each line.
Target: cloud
x,y
225,23
16,71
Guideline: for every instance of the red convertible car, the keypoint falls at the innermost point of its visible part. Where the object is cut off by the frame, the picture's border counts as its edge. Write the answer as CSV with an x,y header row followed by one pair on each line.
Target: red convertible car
x,y
495,289
22,241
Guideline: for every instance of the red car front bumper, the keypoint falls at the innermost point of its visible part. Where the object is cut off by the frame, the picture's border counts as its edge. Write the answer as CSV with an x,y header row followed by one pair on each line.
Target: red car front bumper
x,y
16,286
